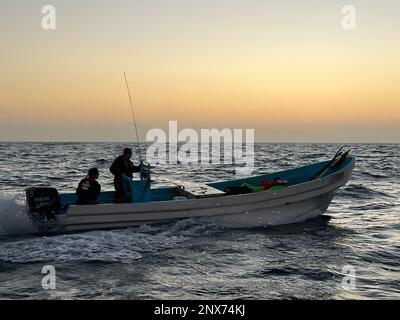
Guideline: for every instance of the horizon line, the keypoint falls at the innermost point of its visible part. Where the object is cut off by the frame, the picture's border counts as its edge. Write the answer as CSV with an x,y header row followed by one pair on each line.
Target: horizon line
x,y
144,142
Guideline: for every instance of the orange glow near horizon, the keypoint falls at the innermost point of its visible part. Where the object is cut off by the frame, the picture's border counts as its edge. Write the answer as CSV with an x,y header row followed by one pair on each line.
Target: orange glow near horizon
x,y
294,76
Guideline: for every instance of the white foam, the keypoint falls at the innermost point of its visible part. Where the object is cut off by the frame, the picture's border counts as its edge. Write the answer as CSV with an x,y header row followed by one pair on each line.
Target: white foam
x,y
13,216
122,245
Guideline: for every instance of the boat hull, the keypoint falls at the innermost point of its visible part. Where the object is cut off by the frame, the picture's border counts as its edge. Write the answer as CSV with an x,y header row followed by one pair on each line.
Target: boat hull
x,y
294,204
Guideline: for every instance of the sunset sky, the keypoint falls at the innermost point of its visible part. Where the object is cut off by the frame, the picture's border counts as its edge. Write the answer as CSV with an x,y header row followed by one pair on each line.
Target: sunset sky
x,y
286,68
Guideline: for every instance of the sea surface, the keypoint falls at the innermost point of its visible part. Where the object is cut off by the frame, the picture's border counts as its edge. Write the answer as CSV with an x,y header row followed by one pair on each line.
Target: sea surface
x,y
351,252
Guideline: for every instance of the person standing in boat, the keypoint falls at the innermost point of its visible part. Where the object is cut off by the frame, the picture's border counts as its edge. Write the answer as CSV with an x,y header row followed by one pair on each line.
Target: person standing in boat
x,y
89,189
122,166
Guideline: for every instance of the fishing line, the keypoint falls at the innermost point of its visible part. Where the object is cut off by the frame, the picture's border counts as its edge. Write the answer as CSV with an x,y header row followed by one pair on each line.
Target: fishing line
x,y
133,116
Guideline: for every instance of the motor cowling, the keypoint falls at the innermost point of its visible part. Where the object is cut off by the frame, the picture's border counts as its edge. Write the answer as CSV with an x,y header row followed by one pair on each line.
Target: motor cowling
x,y
43,202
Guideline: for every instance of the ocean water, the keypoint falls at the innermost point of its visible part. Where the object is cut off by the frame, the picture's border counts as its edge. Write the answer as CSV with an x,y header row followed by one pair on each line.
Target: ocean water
x,y
193,260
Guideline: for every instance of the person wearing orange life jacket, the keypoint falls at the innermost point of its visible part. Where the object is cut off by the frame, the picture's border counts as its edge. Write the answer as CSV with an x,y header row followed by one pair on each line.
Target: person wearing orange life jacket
x,y
89,189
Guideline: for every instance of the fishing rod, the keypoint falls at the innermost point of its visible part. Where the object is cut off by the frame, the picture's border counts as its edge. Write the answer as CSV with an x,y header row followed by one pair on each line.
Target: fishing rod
x,y
133,117
325,168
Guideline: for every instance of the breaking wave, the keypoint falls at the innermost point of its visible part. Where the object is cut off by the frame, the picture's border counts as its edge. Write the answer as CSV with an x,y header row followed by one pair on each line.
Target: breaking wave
x,y
13,216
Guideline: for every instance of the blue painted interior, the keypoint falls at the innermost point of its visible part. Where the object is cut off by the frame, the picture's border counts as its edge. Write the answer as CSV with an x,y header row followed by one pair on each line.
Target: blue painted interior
x,y
137,191
293,176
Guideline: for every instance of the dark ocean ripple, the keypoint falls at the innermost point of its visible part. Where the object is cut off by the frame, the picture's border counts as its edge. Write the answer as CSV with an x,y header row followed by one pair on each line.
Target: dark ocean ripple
x,y
193,260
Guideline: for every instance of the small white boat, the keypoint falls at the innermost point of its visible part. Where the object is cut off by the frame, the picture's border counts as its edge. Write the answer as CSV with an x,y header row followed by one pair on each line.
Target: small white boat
x,y
307,195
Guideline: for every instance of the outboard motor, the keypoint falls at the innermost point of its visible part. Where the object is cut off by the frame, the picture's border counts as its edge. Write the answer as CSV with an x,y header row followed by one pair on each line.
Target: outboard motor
x,y
43,203
144,171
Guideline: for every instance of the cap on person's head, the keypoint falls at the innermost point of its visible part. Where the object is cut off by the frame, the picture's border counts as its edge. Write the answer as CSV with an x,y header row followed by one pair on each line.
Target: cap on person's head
x,y
93,172
128,151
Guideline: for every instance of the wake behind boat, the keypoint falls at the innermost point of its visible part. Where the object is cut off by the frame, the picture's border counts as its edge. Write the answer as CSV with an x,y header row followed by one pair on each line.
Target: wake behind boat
x,y
307,193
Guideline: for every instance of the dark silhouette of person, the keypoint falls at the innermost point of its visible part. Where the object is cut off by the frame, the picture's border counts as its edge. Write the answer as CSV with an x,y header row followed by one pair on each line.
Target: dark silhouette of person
x,y
122,166
89,189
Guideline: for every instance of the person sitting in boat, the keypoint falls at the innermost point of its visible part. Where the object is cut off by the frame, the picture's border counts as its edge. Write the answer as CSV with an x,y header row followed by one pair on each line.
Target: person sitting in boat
x,y
89,189
122,166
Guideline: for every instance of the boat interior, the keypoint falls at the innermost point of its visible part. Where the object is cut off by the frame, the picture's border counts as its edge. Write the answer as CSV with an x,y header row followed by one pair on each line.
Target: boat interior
x,y
168,193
